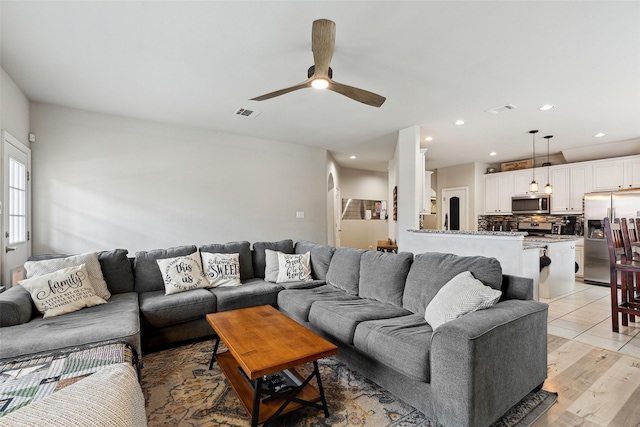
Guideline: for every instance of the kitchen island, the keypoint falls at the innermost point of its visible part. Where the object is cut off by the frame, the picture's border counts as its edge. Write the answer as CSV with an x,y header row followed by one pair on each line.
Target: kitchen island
x,y
518,253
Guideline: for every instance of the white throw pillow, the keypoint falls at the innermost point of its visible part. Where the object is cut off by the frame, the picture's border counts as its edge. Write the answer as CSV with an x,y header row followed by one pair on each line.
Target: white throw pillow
x,y
63,291
293,268
271,266
182,273
90,260
221,269
461,295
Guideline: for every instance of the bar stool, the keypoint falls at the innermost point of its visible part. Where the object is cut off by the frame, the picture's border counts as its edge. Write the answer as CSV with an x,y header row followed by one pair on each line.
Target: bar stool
x,y
618,262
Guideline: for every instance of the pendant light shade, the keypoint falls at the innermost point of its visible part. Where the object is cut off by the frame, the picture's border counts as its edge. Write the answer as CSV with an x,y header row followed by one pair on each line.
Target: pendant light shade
x,y
548,189
533,187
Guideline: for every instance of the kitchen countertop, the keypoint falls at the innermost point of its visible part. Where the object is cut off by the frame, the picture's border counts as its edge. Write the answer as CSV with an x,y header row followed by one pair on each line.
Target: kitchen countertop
x,y
475,233
547,239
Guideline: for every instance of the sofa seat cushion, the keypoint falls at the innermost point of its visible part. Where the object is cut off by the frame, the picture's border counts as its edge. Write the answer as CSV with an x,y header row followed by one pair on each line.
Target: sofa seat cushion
x,y
297,302
307,284
340,318
117,319
402,343
158,310
251,293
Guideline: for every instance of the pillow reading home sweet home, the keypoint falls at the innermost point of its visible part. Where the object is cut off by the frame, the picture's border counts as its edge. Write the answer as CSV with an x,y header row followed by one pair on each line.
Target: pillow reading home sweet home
x,y
461,295
182,273
63,291
293,268
221,269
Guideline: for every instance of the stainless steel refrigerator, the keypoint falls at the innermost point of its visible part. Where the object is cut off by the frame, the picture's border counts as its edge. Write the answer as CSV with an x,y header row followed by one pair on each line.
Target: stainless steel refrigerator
x,y
597,206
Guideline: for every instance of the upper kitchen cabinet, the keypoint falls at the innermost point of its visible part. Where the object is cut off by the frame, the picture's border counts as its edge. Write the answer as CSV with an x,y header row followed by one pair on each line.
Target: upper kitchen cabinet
x,y
608,175
498,189
612,175
570,183
632,173
522,180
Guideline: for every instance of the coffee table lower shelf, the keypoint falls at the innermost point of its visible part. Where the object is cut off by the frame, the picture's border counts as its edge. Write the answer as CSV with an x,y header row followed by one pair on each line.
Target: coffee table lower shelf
x,y
245,392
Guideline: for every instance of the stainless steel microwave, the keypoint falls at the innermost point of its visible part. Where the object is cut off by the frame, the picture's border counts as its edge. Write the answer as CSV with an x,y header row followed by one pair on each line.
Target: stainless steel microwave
x,y
535,204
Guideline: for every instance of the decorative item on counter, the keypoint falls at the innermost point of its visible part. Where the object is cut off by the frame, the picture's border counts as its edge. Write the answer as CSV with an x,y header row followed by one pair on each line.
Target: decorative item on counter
x,y
491,170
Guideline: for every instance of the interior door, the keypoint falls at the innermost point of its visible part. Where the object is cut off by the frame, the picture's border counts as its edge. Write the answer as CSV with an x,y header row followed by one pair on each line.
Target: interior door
x,y
16,217
455,209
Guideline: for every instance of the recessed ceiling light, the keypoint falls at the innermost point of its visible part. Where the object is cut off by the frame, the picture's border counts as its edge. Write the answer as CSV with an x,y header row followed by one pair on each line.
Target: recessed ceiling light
x,y
493,153
352,157
599,134
428,138
459,122
546,107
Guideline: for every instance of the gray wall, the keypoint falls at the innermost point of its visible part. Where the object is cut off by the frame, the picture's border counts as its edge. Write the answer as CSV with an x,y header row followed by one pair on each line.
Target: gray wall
x,y
102,181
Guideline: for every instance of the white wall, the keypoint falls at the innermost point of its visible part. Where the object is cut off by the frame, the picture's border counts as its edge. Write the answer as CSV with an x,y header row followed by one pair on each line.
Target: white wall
x,y
102,182
467,175
368,185
333,219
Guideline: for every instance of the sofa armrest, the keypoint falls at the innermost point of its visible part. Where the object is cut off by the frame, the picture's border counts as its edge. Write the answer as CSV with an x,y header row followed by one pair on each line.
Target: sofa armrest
x,y
16,306
486,361
515,287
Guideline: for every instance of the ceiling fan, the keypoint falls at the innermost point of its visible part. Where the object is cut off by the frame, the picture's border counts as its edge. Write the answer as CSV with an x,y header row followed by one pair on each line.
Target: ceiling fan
x,y
323,37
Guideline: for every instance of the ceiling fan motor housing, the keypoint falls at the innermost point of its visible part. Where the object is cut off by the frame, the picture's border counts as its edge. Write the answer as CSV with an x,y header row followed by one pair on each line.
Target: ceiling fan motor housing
x,y
312,70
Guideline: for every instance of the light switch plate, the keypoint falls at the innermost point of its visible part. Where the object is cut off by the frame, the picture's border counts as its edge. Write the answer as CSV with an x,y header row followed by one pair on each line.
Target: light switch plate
x,y
300,214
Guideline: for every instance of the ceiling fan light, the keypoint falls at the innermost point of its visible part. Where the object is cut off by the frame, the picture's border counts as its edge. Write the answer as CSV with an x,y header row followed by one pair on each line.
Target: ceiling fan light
x,y
320,83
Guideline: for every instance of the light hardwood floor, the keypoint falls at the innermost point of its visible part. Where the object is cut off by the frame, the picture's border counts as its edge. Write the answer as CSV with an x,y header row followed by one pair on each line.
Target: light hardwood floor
x,y
595,372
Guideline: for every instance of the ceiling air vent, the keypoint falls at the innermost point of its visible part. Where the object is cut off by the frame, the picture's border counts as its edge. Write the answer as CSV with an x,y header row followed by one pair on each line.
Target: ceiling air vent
x,y
247,113
502,109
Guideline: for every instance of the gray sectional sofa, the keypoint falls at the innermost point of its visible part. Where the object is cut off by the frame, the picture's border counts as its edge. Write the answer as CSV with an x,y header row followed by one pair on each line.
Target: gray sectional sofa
x,y
468,371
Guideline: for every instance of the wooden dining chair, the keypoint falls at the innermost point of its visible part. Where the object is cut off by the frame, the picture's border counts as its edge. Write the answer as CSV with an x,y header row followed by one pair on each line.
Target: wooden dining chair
x,y
629,237
626,305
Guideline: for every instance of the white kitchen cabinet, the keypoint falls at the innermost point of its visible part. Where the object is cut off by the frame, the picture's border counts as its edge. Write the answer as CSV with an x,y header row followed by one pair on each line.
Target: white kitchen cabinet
x,y
522,180
632,173
498,190
608,175
570,183
580,260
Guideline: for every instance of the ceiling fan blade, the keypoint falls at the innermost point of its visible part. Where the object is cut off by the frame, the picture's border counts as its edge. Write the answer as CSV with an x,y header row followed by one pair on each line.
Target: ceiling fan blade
x,y
356,94
323,40
306,83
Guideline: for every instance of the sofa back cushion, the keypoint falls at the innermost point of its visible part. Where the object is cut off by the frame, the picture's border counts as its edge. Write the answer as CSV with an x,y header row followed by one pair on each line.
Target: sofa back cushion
x,y
243,248
115,265
146,271
430,271
320,257
259,257
344,269
383,276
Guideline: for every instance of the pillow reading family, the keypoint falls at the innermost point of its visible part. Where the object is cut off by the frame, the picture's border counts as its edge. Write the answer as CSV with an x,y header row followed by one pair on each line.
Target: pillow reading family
x,y
282,268
63,291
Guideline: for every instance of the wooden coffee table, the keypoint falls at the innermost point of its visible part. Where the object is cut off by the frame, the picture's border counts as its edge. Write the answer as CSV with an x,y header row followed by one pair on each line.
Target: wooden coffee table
x,y
262,341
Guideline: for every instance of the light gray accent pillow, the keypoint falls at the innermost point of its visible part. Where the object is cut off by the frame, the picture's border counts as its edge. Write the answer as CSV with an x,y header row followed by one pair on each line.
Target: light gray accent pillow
x,y
461,295
271,265
90,260
284,246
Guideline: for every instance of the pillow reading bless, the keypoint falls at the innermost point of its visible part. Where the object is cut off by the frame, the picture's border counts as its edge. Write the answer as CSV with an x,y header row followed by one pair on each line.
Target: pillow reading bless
x,y
461,295
293,268
182,273
221,269
63,291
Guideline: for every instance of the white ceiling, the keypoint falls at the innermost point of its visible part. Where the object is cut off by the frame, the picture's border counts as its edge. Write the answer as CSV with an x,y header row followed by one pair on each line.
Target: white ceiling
x,y
196,63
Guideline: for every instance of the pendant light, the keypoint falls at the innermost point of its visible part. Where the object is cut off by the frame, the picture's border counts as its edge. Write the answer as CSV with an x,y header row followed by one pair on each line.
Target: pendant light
x,y
548,189
533,187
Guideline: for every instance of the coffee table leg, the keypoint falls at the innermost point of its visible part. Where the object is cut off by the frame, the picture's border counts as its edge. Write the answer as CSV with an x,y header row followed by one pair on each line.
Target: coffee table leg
x,y
215,351
320,389
255,414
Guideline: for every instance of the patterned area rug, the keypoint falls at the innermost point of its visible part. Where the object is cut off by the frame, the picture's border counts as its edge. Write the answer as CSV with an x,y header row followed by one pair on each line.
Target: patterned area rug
x,y
180,390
